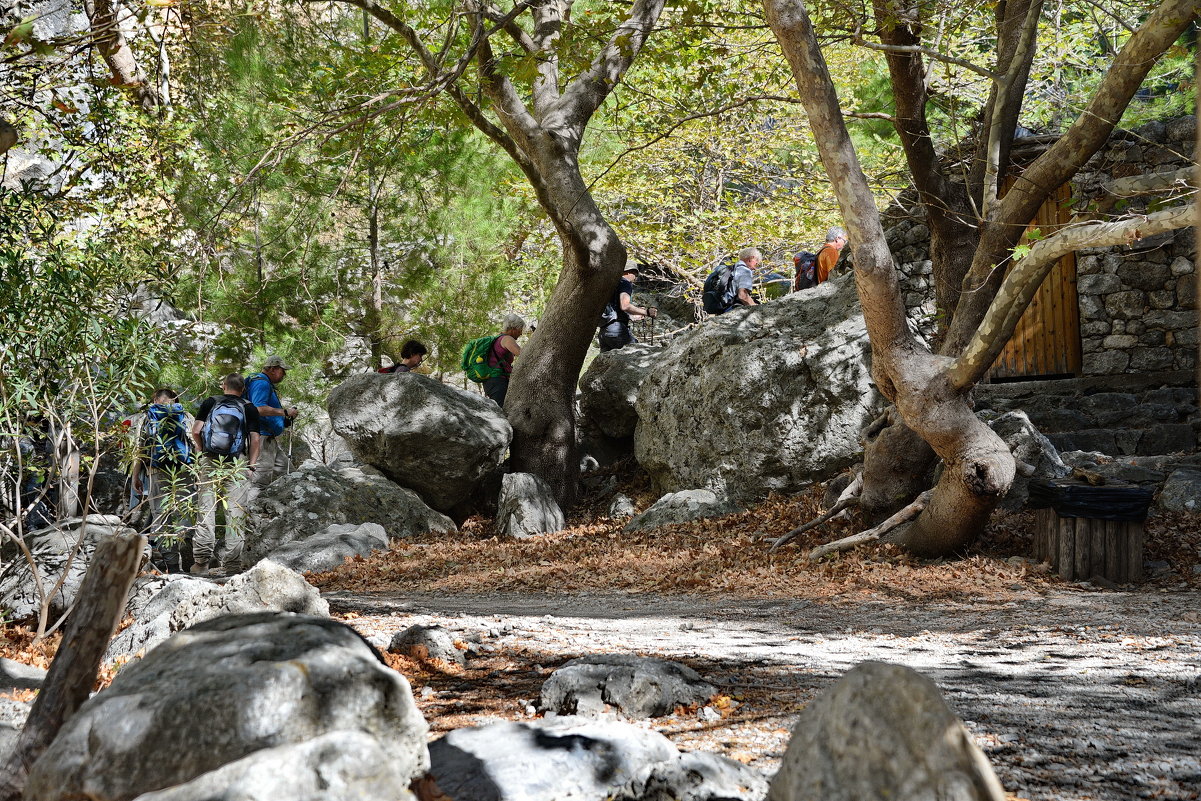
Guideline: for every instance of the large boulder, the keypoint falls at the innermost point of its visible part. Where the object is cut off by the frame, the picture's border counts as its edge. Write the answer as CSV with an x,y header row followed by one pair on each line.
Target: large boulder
x,y
62,551
883,731
609,388
163,605
314,497
423,434
583,760
527,507
226,689
636,686
760,399
330,547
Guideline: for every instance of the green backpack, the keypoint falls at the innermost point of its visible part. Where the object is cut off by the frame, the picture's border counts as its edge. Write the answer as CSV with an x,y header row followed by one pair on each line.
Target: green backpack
x,y
475,360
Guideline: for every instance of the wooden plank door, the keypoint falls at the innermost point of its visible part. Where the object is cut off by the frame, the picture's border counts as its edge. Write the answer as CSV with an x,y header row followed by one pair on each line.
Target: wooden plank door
x,y
1046,342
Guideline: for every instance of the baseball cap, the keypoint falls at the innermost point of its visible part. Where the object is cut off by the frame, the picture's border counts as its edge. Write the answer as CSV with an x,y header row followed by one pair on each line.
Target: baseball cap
x,y
276,361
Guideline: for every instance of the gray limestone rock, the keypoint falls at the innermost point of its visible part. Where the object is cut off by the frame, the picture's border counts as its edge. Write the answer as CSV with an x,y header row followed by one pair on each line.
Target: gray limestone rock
x,y
18,676
579,759
338,766
440,441
780,392
1181,492
609,388
883,731
330,547
527,507
314,497
12,719
1029,447
222,691
164,605
622,506
52,550
698,776
635,686
681,507
427,642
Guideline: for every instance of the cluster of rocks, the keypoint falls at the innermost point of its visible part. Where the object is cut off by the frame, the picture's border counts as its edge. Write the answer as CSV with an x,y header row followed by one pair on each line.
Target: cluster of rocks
x,y
442,446
251,691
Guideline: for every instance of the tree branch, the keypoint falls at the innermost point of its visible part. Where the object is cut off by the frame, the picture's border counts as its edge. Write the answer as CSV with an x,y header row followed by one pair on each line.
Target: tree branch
x,y
928,52
835,510
872,534
588,90
1026,275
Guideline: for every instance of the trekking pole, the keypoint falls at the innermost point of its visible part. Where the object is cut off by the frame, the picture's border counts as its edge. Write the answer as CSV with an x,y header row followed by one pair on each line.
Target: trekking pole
x,y
653,329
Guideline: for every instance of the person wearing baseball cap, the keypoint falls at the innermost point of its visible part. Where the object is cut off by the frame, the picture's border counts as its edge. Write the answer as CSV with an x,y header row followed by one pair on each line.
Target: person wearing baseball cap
x,y
615,318
274,417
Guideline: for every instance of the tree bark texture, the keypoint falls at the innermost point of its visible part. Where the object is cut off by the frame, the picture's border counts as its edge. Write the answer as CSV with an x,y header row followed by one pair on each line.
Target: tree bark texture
x,y
101,602
978,467
110,40
541,130
1060,162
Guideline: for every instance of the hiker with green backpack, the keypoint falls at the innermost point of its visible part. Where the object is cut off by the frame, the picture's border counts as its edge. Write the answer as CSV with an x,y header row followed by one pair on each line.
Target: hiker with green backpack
x,y
489,360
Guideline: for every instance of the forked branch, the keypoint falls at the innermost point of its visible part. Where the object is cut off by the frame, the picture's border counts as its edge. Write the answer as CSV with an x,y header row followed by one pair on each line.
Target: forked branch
x,y
872,534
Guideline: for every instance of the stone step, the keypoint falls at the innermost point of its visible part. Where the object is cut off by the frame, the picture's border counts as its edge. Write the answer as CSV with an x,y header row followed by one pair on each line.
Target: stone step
x,y
1153,441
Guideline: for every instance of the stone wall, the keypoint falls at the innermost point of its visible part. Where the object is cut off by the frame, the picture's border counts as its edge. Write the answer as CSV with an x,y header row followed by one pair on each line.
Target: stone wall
x,y
1138,303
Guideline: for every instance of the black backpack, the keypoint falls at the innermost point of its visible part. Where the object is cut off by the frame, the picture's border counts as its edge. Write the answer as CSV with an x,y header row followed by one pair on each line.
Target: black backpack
x,y
806,270
224,432
718,295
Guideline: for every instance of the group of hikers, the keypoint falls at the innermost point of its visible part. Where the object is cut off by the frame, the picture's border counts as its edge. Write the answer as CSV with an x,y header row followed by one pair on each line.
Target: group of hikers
x,y
234,440
223,456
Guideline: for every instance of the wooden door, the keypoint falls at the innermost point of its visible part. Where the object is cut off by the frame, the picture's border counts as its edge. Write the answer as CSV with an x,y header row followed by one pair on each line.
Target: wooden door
x,y
1046,342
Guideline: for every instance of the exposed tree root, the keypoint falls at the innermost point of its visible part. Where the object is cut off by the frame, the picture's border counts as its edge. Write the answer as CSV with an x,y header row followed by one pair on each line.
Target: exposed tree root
x,y
872,534
848,498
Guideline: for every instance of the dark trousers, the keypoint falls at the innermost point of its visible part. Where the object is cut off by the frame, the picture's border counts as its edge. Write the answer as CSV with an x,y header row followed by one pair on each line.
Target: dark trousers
x,y
496,389
614,337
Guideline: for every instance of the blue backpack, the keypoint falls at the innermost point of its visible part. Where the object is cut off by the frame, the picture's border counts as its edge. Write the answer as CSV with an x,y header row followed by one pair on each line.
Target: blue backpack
x,y
224,430
165,434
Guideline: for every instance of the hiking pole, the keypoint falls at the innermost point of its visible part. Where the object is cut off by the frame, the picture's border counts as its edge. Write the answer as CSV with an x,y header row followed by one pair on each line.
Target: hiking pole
x,y
653,327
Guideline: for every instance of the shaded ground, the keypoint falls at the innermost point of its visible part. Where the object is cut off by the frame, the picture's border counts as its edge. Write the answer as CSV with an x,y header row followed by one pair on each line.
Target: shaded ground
x,y
1073,692
1073,695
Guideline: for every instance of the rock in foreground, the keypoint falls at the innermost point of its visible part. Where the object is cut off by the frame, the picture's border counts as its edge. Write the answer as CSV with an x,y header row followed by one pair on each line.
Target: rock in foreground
x,y
883,731
222,691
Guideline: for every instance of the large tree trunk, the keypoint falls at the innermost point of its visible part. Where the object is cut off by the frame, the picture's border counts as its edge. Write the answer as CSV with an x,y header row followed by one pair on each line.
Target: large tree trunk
x,y
978,467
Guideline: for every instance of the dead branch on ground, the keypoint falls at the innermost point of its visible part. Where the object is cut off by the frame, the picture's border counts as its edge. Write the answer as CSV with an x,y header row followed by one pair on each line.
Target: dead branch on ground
x,y
872,534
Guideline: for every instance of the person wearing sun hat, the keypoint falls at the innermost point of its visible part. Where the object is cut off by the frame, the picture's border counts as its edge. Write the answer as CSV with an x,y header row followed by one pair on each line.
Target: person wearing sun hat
x,y
274,417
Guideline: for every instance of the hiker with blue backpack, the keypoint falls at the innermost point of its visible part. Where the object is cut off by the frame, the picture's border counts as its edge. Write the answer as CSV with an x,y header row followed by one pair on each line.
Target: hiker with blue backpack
x,y
274,418
227,439
160,474
729,286
615,318
489,360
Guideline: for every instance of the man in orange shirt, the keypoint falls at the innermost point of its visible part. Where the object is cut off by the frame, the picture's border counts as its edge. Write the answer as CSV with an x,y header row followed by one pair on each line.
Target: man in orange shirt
x,y
827,257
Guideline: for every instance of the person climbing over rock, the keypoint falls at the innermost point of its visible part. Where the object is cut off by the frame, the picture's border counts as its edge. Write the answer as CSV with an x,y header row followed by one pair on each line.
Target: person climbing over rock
x,y
827,256
411,355
226,433
273,419
615,319
502,353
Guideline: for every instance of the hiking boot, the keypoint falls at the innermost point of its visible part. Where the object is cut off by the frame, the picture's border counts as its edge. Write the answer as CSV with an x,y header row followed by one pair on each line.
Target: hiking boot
x,y
199,569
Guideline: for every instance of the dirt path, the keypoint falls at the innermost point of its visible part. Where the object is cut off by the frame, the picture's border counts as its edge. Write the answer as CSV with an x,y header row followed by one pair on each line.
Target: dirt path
x,y
1072,694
